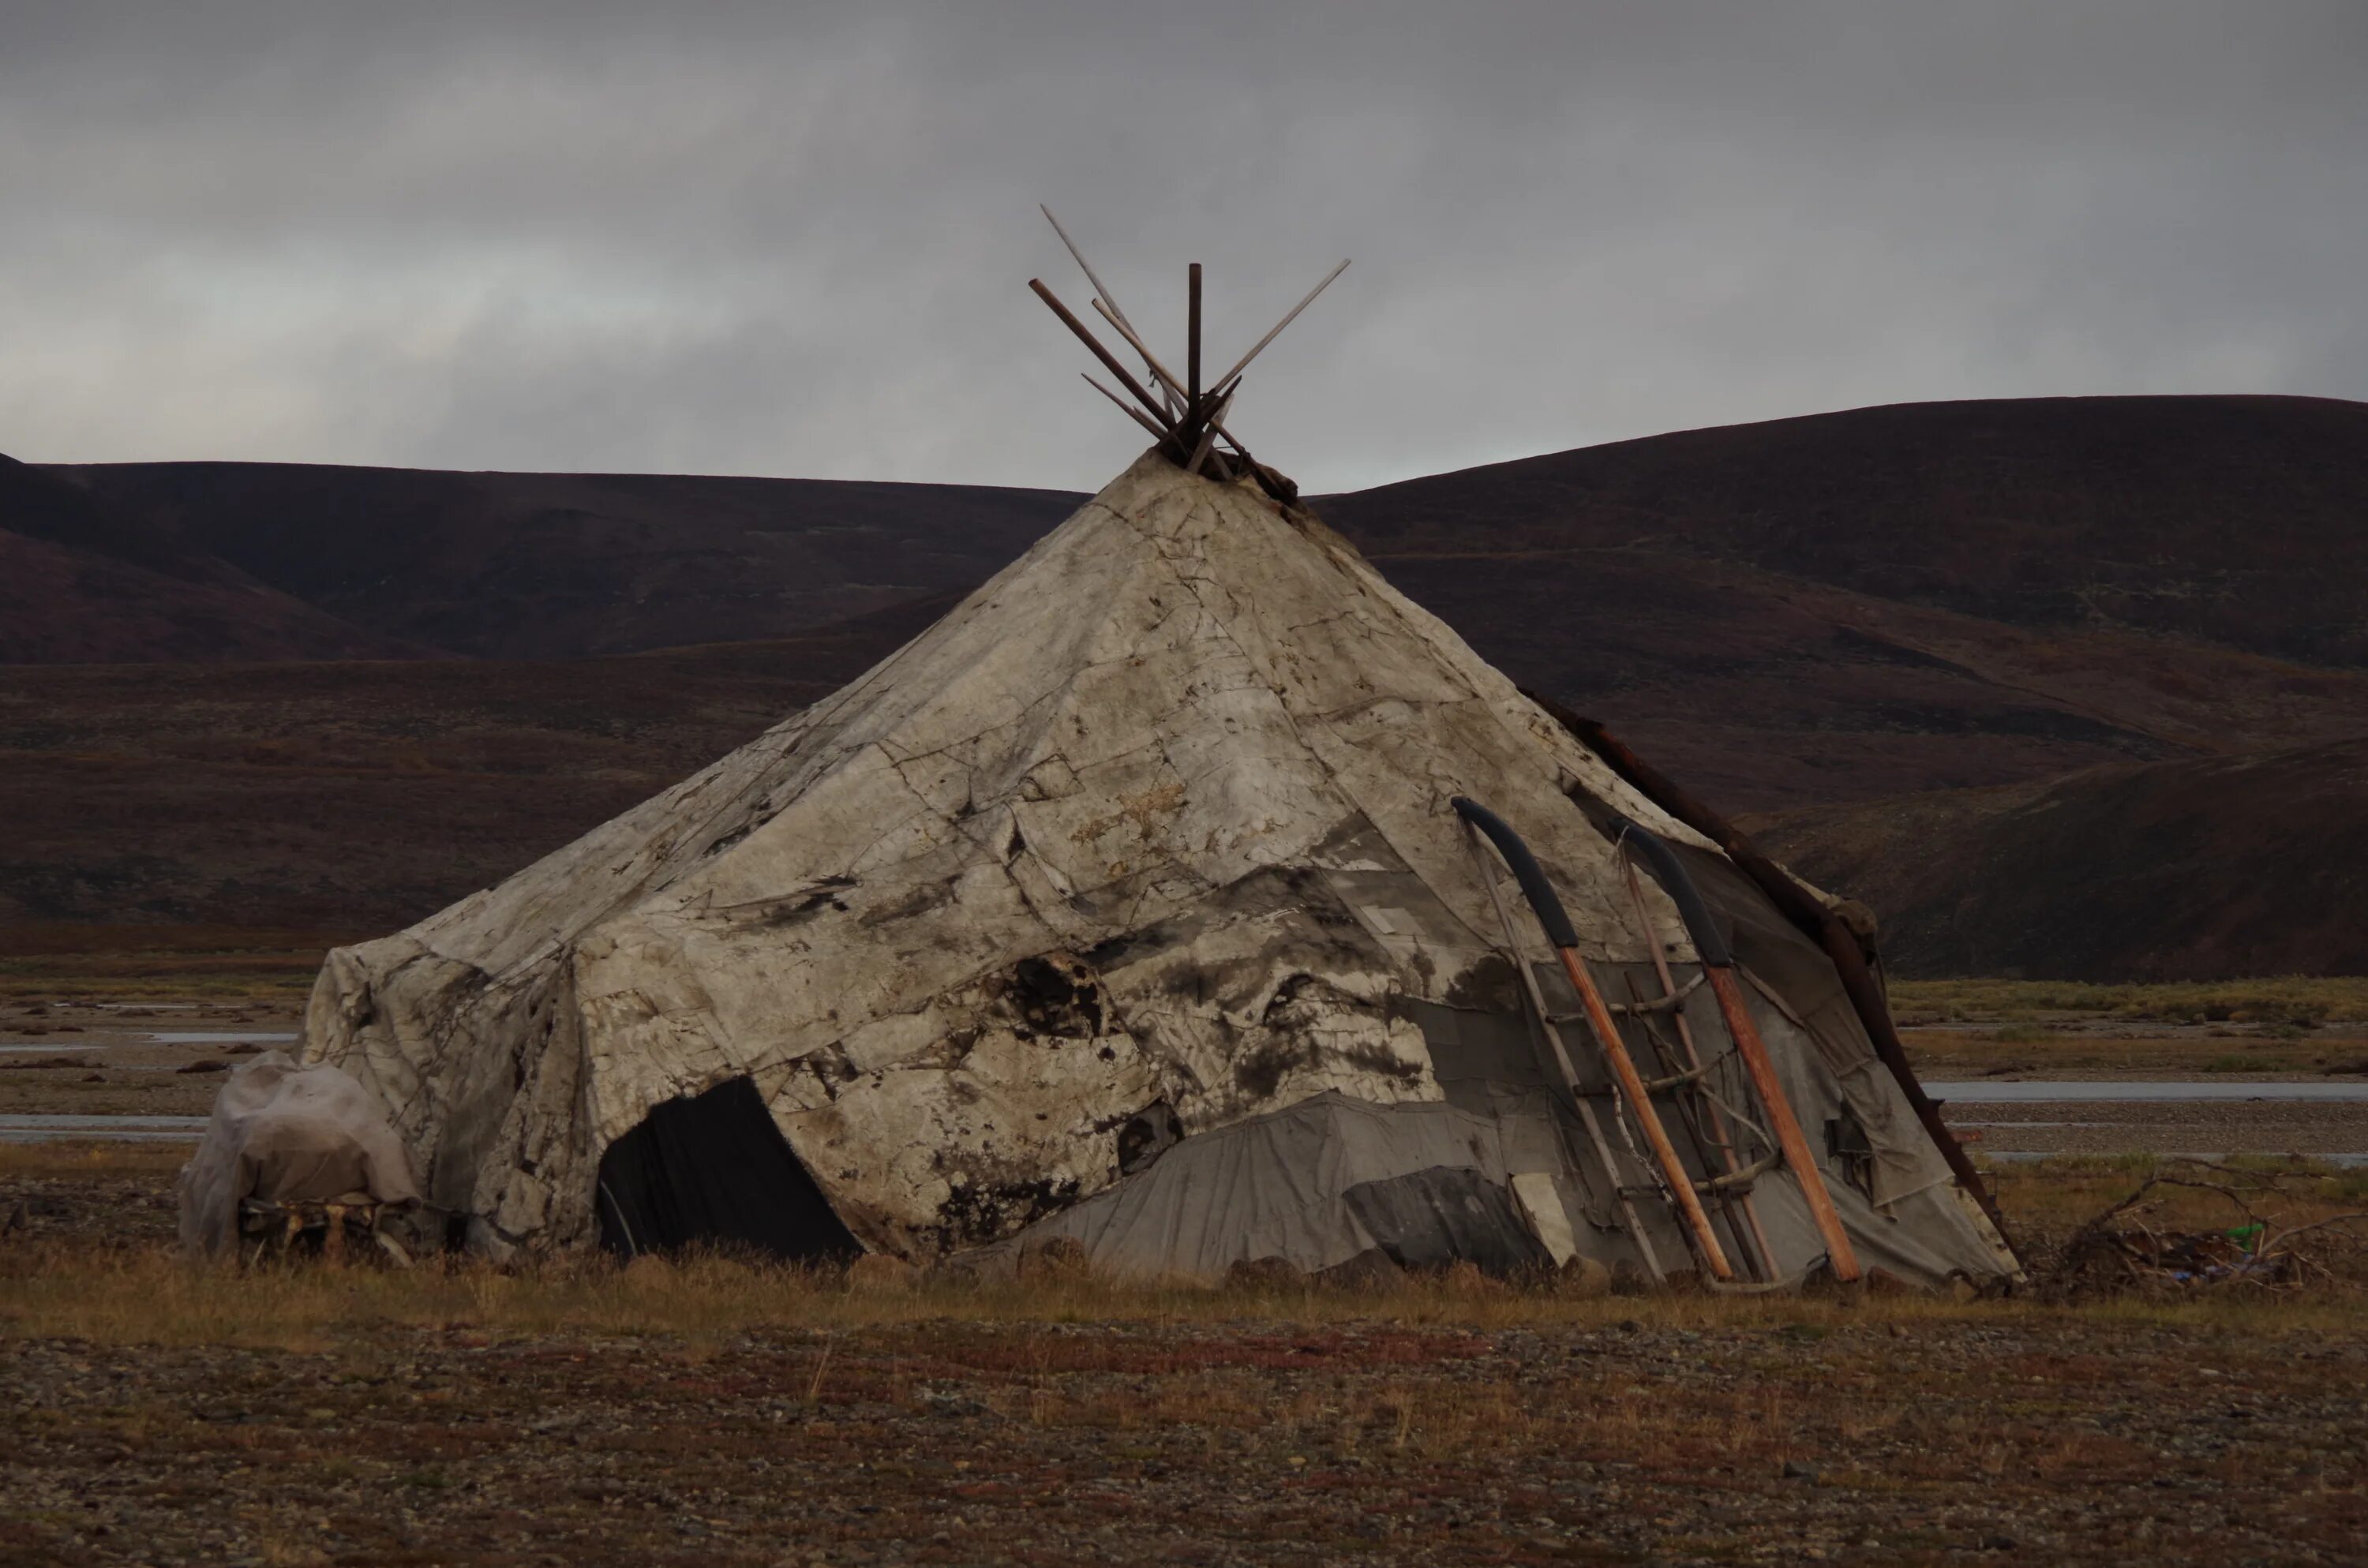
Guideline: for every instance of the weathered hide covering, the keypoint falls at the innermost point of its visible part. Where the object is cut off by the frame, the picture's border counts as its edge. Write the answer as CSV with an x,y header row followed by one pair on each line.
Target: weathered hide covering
x,y
280,1134
1152,830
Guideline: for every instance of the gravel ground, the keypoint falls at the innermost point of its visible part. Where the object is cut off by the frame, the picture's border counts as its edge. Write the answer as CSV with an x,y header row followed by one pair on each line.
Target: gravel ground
x,y
1608,1431
2039,1440
1888,1431
101,1061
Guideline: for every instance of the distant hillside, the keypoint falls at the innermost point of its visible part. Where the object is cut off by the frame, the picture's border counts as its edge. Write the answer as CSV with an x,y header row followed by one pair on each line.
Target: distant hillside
x,y
360,797
84,581
2201,868
556,567
1850,605
1891,605
1923,596
2240,521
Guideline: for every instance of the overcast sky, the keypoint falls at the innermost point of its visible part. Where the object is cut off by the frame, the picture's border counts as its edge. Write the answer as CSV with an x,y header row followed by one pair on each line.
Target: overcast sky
x,y
794,240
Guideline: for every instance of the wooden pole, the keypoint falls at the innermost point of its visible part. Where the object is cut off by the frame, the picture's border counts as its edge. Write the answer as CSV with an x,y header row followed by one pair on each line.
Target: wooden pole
x,y
1755,1061
1256,348
1109,362
1192,340
1718,966
1127,408
1221,398
1126,330
1557,1059
1547,905
1816,922
1208,434
1649,1120
1083,265
1691,1057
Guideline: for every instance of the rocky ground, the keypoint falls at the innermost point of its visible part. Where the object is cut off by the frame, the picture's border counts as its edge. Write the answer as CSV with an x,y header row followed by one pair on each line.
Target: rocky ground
x,y
1983,1439
150,1412
717,1414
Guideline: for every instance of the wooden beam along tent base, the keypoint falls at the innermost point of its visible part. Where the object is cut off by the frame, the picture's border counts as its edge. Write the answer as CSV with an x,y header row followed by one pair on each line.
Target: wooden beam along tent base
x,y
1124,907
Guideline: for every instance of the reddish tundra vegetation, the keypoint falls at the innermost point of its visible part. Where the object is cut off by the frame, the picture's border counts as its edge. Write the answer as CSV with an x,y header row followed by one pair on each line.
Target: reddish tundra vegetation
x,y
714,1411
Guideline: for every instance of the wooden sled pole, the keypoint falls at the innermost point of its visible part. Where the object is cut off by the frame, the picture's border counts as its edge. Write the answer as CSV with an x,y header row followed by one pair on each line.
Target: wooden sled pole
x,y
1550,1049
1813,919
1564,939
1718,963
1690,1057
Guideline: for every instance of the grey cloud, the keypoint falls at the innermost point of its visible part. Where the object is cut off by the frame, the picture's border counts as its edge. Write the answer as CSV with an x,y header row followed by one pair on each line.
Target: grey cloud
x,y
794,239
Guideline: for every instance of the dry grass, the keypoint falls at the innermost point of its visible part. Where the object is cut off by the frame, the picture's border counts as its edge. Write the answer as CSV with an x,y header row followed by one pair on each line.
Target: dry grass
x,y
64,962
63,1158
147,1294
2258,1050
707,1410
2290,999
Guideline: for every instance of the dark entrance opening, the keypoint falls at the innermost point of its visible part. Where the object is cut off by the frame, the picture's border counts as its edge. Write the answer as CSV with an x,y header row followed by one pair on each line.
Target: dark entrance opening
x,y
713,1168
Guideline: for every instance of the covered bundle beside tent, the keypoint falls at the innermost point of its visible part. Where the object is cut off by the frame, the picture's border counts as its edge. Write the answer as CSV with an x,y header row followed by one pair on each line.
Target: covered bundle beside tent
x,y
281,1137
1132,905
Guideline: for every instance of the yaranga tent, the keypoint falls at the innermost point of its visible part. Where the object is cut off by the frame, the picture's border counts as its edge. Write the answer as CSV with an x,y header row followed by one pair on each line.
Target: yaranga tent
x,y
1188,892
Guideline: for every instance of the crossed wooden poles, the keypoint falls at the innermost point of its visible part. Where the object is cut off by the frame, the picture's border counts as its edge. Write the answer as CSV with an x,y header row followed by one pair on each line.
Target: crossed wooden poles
x,y
1733,1183
1186,420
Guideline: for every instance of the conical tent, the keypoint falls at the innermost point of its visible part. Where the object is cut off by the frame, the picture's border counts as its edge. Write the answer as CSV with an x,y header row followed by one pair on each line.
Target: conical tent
x,y
1131,904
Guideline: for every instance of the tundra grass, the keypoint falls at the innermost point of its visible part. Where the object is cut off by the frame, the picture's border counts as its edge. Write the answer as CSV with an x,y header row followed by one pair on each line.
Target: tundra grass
x,y
2303,1000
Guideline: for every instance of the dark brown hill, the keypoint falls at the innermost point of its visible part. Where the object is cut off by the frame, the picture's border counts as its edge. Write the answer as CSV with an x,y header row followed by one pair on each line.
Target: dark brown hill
x,y
1847,605
359,797
1807,613
2202,868
554,566
1921,597
82,581
2232,520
